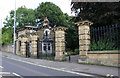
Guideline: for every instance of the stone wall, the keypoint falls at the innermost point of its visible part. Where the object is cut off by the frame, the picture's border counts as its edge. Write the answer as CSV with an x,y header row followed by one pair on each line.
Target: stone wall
x,y
109,58
7,48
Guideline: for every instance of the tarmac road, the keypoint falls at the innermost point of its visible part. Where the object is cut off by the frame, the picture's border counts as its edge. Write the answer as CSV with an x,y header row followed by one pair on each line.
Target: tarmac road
x,y
38,68
14,68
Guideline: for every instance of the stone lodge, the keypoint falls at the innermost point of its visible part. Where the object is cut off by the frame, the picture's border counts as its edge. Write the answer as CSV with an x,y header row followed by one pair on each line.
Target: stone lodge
x,y
42,41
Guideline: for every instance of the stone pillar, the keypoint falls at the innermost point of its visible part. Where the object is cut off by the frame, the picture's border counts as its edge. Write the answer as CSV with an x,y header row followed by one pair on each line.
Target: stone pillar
x,y
84,39
23,48
34,39
24,39
59,43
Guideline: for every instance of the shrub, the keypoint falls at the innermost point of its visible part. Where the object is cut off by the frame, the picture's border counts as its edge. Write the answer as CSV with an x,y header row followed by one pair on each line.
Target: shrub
x,y
102,45
73,53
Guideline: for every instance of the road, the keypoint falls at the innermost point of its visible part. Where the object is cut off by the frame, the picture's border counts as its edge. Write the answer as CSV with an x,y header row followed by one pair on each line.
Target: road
x,y
12,68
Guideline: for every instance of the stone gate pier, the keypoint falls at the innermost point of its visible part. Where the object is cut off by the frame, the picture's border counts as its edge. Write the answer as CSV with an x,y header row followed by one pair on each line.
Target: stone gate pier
x,y
84,39
34,45
59,42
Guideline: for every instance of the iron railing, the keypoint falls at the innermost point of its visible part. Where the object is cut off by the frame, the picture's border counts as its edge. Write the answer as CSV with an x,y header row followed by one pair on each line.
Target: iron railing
x,y
105,38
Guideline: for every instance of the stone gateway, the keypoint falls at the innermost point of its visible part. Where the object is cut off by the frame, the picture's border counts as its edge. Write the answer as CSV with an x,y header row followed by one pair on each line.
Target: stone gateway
x,y
41,42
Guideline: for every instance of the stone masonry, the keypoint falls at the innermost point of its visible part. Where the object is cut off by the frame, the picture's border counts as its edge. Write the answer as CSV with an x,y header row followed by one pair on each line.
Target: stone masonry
x,y
84,39
40,40
34,39
23,45
59,42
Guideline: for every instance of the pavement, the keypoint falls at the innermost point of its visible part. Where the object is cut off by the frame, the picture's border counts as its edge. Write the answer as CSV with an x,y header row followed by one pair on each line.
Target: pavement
x,y
70,66
73,58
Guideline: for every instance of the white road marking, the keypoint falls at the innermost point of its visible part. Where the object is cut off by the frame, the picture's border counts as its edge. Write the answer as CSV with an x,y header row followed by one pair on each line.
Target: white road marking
x,y
4,72
62,68
51,67
108,75
1,67
17,75
111,76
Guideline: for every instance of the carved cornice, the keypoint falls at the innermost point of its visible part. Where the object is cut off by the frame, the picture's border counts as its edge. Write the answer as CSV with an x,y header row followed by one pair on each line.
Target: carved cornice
x,y
27,28
86,22
44,27
34,33
23,36
60,28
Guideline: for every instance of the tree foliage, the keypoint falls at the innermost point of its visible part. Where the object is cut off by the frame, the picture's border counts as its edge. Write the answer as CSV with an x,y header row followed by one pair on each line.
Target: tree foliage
x,y
24,16
71,34
7,35
101,13
27,16
52,12
58,18
72,38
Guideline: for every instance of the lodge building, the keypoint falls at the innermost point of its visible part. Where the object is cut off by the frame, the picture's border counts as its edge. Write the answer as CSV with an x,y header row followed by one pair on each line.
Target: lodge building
x,y
41,42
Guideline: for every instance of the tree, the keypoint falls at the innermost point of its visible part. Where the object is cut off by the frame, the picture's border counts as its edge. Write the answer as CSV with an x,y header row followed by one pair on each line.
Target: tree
x,y
71,34
7,35
58,18
100,13
72,38
52,12
24,17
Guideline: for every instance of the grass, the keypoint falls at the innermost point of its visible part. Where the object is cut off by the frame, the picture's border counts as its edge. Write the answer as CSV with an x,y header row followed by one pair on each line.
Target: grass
x,y
50,59
5,56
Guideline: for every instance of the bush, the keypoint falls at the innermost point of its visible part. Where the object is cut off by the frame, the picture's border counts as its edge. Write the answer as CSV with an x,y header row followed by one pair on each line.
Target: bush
x,y
73,53
77,51
102,45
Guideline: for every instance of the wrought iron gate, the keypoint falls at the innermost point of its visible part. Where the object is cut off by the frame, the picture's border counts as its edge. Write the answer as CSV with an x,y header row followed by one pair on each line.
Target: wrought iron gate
x,y
45,49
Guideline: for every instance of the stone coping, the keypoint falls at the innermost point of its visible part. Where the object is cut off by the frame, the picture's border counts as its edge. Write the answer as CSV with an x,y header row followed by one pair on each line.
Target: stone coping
x,y
105,52
85,22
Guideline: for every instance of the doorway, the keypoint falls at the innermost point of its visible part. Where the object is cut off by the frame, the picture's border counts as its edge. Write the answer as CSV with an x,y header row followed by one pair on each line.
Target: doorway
x,y
47,50
27,49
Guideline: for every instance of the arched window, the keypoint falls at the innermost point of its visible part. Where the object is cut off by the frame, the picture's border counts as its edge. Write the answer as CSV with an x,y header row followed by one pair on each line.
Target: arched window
x,y
46,33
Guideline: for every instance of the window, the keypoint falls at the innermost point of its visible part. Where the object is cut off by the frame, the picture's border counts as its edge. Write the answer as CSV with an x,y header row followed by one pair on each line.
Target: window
x,y
44,47
48,46
46,33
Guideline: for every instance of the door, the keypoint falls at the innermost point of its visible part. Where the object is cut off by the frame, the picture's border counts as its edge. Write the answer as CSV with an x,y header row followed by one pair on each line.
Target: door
x,y
47,51
27,49
46,47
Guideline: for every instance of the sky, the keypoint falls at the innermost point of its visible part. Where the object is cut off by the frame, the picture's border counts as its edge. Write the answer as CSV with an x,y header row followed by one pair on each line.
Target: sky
x,y
7,5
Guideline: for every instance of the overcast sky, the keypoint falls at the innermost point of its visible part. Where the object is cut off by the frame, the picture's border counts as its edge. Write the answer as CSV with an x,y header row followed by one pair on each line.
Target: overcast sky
x,y
7,5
